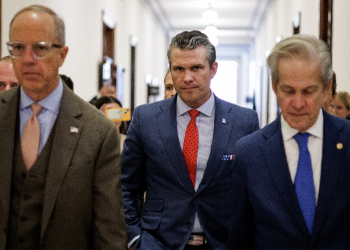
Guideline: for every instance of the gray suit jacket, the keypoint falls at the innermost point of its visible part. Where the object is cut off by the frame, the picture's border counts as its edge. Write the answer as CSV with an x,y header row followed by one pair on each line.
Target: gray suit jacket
x,y
83,206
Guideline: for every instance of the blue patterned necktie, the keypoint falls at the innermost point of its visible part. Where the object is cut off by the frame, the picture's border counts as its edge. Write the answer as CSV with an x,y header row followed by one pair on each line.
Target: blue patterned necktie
x,y
304,181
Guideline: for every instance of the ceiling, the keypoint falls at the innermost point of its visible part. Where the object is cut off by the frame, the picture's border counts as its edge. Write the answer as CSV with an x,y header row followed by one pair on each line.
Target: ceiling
x,y
238,20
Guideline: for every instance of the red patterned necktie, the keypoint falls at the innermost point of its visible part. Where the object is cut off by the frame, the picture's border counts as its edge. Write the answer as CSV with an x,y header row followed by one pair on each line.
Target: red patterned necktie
x,y
190,148
31,137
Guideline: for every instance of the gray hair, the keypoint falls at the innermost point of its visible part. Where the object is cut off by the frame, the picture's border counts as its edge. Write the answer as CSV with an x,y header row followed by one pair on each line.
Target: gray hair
x,y
60,27
191,40
302,47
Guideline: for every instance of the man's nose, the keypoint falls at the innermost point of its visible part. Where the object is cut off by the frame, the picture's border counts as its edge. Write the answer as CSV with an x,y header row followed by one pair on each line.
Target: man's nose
x,y
298,101
28,55
188,76
8,86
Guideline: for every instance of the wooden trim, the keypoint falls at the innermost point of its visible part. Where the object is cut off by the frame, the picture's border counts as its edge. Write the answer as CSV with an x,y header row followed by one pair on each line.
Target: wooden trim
x,y
326,21
132,78
0,28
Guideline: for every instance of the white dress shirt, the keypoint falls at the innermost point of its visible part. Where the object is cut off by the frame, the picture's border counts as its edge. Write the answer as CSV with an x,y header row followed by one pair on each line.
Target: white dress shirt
x,y
315,145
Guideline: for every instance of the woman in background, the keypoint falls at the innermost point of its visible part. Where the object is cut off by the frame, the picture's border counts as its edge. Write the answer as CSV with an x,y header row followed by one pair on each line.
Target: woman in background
x,y
107,102
342,104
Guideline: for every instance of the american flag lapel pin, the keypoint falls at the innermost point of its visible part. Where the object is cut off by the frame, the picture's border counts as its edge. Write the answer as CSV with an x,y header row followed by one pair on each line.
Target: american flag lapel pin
x,y
74,130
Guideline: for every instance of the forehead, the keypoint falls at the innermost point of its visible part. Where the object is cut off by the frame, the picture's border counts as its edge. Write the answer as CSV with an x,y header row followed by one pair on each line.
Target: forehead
x,y
112,105
181,57
299,72
33,26
168,79
5,65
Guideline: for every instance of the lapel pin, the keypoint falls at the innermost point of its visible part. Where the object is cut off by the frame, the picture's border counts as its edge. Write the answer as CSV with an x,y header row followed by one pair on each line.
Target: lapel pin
x,y
74,130
223,120
339,145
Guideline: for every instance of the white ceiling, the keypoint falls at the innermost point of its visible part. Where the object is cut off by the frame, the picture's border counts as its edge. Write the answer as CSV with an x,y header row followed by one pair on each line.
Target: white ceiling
x,y
238,22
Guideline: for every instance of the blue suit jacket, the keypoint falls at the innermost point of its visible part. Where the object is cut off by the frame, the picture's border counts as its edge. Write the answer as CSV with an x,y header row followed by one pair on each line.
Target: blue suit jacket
x,y
152,161
265,209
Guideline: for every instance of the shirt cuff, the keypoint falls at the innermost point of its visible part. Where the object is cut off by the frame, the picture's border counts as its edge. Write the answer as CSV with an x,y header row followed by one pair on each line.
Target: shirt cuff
x,y
132,241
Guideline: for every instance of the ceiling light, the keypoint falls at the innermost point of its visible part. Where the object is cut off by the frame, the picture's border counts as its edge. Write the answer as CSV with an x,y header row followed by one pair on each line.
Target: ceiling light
x,y
210,15
211,30
214,40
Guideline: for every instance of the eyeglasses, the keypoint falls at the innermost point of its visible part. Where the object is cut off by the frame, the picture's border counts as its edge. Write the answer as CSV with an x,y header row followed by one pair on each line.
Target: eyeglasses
x,y
40,50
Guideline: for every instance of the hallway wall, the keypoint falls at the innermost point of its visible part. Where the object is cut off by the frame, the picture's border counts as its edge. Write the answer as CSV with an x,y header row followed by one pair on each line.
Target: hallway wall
x,y
83,21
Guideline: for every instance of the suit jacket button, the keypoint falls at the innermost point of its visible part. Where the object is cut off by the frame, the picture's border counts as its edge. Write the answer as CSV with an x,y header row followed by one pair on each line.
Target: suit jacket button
x,y
188,224
196,197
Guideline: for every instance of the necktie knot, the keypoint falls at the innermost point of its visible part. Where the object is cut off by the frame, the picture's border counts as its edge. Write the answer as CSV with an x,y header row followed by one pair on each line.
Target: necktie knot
x,y
36,108
193,113
302,139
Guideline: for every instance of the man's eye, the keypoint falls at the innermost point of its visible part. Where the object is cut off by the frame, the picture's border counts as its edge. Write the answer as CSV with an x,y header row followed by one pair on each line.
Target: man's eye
x,y
288,91
40,47
18,47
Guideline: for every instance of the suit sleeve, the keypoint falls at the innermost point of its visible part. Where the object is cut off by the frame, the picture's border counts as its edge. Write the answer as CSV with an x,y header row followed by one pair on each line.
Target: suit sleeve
x,y
109,223
256,125
133,176
241,222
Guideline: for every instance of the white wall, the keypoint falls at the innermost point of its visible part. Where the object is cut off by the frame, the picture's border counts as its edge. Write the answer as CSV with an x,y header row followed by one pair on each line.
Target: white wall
x,y
341,41
83,21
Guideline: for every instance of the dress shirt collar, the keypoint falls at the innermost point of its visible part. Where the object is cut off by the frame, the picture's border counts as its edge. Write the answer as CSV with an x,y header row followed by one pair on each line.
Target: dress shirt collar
x,y
207,108
315,130
52,102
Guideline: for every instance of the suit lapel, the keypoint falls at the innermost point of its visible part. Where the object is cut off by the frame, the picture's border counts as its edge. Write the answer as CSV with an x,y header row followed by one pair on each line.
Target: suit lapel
x,y
221,138
67,133
8,116
276,163
167,126
332,163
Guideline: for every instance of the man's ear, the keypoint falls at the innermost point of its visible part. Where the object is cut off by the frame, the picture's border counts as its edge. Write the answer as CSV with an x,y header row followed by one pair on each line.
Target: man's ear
x,y
273,86
214,69
328,87
63,54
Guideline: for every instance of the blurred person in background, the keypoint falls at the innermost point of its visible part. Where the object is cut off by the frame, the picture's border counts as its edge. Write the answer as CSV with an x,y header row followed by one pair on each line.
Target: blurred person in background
x,y
8,77
108,102
342,104
169,90
328,100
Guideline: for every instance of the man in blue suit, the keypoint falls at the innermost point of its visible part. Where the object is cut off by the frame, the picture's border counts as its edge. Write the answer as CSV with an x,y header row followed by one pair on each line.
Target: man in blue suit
x,y
186,205
292,178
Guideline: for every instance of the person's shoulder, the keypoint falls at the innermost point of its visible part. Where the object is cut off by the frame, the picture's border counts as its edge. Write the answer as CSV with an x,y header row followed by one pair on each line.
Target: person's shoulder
x,y
233,107
89,113
261,135
5,95
336,122
155,106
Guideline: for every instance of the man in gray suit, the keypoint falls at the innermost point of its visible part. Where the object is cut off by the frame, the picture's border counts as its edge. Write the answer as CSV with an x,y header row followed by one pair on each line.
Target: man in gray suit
x,y
70,196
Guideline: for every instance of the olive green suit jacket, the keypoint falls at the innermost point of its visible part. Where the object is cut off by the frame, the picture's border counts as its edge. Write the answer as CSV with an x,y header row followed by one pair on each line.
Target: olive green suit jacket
x,y
83,206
